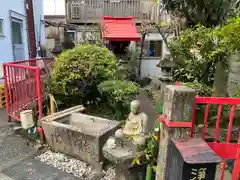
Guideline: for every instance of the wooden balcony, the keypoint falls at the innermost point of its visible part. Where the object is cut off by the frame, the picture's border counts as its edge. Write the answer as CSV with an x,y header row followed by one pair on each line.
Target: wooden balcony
x,y
88,11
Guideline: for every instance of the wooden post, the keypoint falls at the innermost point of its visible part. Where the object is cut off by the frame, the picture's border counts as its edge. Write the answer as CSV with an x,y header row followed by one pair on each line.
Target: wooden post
x,y
52,107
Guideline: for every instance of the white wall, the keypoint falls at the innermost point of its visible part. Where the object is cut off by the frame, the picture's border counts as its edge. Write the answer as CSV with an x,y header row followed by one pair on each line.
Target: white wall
x,y
54,7
148,66
149,69
16,9
6,49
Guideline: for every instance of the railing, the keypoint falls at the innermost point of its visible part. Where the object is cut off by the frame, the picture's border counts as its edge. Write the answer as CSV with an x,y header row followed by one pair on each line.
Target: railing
x,y
24,85
229,147
89,10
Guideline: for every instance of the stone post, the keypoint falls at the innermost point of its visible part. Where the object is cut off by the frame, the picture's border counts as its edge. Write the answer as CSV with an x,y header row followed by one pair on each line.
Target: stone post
x,y
176,122
220,80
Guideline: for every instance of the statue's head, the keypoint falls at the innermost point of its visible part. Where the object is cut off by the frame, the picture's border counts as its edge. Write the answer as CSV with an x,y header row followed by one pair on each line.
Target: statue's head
x,y
135,106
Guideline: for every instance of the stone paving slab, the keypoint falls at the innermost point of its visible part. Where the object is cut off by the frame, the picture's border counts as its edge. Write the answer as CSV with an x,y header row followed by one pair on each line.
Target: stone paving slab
x,y
32,169
5,177
16,157
227,174
13,148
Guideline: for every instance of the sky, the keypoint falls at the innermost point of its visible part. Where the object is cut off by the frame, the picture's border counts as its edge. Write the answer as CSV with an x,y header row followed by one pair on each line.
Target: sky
x,y
54,7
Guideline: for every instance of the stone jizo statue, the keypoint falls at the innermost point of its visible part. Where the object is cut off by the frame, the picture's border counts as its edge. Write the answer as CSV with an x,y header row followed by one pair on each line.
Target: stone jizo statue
x,y
135,128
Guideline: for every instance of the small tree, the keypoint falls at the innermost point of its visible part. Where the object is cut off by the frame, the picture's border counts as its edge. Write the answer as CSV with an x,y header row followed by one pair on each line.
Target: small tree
x,y
206,12
202,54
193,53
77,72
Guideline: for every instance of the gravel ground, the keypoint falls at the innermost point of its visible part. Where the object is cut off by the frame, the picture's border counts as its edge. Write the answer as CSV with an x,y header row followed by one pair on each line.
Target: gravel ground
x,y
73,166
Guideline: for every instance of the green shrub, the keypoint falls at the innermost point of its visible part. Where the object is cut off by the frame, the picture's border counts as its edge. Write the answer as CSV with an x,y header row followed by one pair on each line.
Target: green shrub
x,y
201,89
77,72
194,55
118,94
197,52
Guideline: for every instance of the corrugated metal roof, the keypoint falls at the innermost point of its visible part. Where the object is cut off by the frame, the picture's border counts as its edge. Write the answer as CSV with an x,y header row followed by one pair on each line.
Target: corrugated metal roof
x,y
119,29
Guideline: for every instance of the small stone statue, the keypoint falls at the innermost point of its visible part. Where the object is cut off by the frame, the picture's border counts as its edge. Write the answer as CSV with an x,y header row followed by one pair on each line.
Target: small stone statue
x,y
135,127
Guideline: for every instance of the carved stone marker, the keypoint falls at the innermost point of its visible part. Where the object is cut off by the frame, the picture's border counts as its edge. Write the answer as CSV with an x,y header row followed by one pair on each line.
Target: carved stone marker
x,y
178,107
191,159
234,74
178,103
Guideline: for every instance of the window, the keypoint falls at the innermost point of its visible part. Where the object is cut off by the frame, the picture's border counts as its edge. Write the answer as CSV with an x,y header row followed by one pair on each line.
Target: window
x,y
17,32
152,48
1,27
155,48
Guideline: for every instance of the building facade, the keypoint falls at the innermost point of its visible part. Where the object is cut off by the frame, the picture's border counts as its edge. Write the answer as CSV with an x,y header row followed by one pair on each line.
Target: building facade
x,y
88,12
153,42
51,31
14,38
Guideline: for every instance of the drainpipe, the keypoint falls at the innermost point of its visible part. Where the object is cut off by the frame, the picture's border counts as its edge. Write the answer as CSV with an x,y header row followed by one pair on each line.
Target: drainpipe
x,y
31,28
28,42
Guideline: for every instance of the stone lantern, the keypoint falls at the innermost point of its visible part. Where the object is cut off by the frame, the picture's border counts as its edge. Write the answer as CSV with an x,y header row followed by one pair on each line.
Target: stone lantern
x,y
166,64
57,45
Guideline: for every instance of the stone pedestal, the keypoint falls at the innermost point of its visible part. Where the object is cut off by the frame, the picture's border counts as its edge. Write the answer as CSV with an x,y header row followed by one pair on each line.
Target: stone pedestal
x,y
122,157
177,111
191,159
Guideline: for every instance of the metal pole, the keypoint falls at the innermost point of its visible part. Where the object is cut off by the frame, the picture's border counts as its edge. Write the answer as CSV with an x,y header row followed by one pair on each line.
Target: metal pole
x,y
5,76
38,93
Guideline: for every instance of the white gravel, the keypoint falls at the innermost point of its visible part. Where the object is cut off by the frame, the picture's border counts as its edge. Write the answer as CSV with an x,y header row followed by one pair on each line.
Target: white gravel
x,y
73,166
110,174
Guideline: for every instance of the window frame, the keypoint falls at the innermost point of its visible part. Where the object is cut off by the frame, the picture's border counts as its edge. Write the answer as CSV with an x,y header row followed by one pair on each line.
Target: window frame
x,y
2,28
152,43
146,47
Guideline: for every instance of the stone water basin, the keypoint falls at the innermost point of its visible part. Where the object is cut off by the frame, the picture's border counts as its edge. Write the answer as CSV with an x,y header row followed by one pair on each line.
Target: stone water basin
x,y
78,135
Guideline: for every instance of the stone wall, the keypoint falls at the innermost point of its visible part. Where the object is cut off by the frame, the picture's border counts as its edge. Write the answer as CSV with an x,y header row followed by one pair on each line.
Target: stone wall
x,y
234,74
